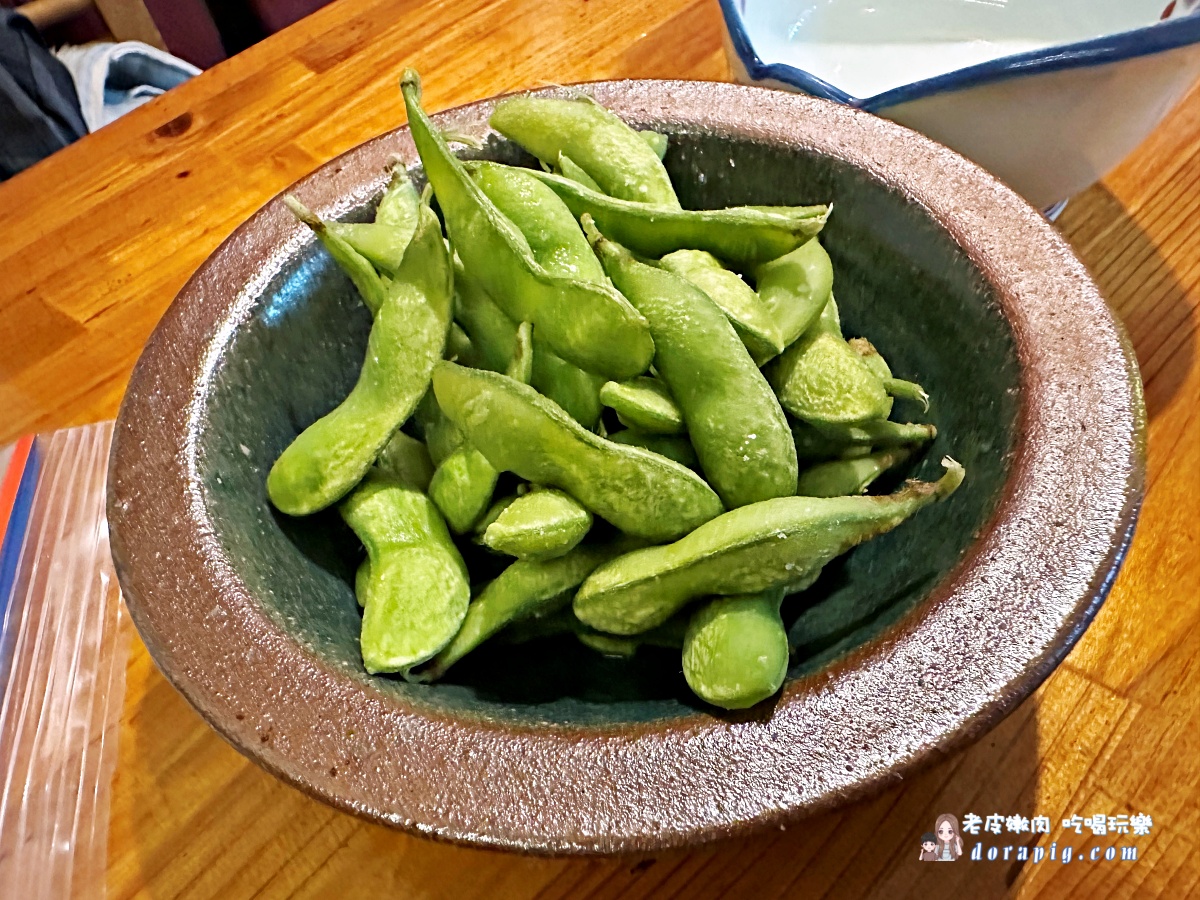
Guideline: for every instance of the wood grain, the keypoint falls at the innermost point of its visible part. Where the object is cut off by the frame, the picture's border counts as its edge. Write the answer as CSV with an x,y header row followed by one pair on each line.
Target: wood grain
x,y
95,242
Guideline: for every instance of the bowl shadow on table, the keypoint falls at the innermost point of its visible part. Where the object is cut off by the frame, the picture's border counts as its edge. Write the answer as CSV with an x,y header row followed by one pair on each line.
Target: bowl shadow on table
x,y
294,846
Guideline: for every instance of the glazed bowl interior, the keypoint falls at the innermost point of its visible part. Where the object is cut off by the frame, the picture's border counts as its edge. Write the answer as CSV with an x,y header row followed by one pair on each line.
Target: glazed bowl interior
x,y
900,280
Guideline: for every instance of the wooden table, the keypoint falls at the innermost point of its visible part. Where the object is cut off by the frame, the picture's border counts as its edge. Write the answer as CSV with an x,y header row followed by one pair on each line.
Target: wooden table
x,y
95,242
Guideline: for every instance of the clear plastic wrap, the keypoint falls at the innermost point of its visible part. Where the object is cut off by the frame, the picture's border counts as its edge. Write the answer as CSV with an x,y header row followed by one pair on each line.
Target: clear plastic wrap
x,y
64,639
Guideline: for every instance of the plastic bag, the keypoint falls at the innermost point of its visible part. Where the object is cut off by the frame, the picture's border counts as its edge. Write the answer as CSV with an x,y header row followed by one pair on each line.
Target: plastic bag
x,y
64,639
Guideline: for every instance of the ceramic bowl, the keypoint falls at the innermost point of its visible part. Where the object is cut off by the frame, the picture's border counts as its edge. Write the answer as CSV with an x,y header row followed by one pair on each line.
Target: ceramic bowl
x,y
908,646
1048,96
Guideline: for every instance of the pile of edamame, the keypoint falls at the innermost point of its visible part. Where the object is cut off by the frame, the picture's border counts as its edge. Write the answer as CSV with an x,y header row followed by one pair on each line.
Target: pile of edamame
x,y
651,411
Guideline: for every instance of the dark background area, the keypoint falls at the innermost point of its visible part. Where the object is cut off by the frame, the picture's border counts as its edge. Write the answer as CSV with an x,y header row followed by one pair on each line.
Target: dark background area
x,y
203,32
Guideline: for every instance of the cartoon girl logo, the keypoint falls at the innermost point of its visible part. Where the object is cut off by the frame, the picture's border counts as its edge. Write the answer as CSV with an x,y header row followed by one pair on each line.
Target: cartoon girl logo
x,y
948,846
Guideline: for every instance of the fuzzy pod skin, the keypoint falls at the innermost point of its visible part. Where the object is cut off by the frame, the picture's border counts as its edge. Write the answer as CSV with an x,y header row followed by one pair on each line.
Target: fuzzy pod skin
x,y
735,650
525,590
414,589
644,404
622,162
815,443
774,544
407,460
795,288
520,431
441,436
371,286
590,325
750,317
464,482
895,387
462,487
742,236
542,524
658,142
568,168
675,447
494,334
553,235
733,419
849,477
407,337
384,242
459,347
821,380
520,367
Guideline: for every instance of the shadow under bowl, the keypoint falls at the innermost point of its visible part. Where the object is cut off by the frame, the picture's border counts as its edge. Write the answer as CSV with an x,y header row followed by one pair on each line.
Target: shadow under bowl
x,y
911,644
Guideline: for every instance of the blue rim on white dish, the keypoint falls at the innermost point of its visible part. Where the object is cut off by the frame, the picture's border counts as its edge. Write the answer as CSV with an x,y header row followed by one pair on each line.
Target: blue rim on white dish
x,y
1167,34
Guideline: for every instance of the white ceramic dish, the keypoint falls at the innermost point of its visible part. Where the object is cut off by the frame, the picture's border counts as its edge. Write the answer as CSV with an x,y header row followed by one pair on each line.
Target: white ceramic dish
x,y
1049,96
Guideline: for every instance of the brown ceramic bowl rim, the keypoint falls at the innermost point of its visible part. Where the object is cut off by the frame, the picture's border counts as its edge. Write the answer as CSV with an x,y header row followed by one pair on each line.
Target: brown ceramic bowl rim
x,y
1024,593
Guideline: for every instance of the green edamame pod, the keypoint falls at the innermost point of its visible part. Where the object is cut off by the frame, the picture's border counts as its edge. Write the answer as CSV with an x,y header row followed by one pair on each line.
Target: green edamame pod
x,y
520,366
645,404
568,168
493,513
907,390
406,460
408,336
464,482
542,524
442,437
673,446
830,319
848,477
813,445
563,621
740,236
553,235
576,391
821,380
590,325
895,387
873,358
832,441
400,203
380,245
521,431
768,545
362,577
493,333
371,286
657,140
415,589
669,635
384,241
733,419
607,644
735,650
459,347
795,288
751,319
526,589
616,157
462,487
